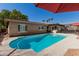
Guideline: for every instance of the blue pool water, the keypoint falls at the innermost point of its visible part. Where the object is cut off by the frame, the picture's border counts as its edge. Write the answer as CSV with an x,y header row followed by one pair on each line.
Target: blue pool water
x,y
36,42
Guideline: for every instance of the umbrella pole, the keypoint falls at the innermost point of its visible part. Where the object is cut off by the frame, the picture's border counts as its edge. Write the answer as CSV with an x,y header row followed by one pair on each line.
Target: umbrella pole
x,y
11,52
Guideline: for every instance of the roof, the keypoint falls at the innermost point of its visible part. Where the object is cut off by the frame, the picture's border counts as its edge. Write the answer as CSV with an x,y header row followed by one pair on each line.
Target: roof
x,y
20,21
75,24
56,24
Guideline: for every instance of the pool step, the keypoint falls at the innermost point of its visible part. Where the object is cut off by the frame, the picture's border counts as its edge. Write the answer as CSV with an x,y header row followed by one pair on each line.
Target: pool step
x,y
45,42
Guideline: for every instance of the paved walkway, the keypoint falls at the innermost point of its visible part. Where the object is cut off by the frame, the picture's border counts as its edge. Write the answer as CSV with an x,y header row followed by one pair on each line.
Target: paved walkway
x,y
58,49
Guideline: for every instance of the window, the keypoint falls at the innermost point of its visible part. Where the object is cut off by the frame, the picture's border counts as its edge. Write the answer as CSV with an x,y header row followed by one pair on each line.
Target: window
x,y
52,28
45,27
40,27
25,28
18,27
22,27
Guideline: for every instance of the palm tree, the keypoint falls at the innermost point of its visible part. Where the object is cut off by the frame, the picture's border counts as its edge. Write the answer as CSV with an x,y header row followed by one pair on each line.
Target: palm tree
x,y
43,20
49,20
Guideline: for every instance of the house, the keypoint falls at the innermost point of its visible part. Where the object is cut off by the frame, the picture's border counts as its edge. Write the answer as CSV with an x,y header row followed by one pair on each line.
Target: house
x,y
18,27
73,27
59,27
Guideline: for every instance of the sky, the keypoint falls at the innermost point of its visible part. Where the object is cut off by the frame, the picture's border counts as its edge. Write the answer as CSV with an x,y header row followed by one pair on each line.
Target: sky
x,y
37,14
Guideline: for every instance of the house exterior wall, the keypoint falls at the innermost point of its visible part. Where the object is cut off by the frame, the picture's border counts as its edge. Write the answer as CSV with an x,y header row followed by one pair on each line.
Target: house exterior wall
x,y
56,27
70,27
31,28
77,27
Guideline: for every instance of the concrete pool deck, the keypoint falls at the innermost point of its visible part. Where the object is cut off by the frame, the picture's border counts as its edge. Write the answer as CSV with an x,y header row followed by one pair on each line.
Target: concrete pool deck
x,y
58,49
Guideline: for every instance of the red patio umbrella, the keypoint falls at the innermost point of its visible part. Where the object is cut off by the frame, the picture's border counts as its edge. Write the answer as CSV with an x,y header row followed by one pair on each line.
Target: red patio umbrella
x,y
59,7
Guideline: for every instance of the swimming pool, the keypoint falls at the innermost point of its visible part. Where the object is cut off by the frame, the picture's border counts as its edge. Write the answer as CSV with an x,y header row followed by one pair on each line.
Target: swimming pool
x,y
36,42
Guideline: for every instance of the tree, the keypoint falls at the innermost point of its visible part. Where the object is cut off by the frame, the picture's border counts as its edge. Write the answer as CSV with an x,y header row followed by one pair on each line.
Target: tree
x,y
43,20
18,15
1,19
48,20
5,13
14,14
24,17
